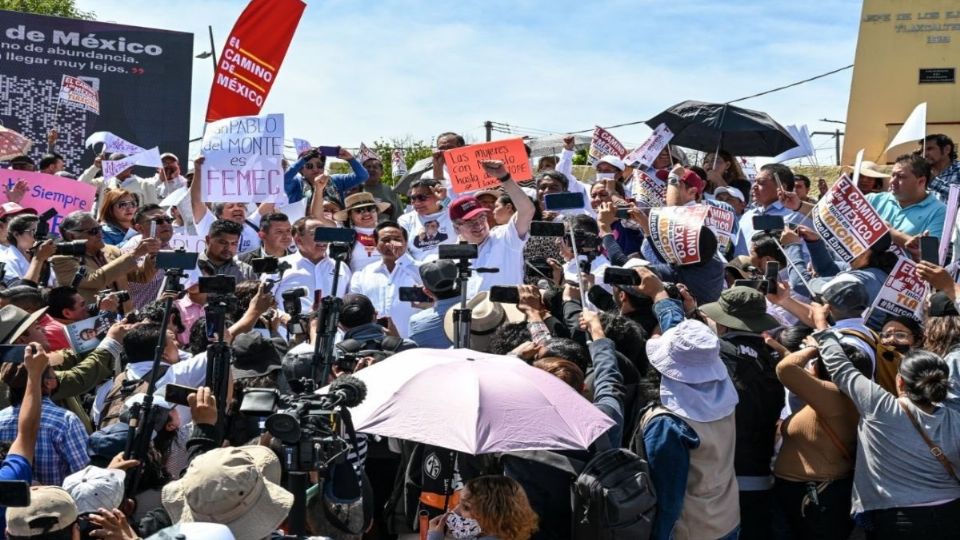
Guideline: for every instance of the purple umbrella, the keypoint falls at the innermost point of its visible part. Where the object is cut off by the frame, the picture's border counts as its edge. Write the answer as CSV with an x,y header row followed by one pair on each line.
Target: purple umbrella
x,y
474,403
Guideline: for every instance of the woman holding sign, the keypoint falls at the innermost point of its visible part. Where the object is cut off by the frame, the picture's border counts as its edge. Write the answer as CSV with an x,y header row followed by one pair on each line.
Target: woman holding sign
x,y
116,215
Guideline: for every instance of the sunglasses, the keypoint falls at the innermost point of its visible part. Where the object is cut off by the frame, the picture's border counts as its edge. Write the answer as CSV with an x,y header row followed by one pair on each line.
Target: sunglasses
x,y
420,198
92,231
365,210
126,204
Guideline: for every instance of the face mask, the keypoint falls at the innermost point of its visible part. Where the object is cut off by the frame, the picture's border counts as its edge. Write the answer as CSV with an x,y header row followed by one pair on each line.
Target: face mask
x,y
603,176
461,527
901,348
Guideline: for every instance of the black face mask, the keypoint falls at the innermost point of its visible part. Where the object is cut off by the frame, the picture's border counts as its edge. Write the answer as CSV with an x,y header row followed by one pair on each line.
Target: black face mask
x,y
901,348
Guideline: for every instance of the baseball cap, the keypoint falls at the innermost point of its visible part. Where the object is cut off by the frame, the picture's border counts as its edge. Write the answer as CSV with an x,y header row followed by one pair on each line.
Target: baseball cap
x,y
10,209
842,292
942,306
439,276
51,510
93,488
466,208
732,191
613,160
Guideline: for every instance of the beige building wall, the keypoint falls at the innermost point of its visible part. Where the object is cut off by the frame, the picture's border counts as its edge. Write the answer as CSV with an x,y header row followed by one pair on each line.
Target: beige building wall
x,y
901,41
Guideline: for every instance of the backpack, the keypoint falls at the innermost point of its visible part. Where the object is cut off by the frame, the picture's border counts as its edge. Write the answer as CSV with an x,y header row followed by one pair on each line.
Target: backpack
x,y
612,494
887,358
120,391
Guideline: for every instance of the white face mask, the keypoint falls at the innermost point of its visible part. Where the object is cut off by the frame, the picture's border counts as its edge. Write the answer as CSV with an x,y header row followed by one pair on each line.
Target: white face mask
x,y
461,527
603,176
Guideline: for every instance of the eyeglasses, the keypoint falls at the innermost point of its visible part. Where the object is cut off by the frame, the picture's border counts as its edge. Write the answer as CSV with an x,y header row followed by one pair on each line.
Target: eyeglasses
x,y
474,223
92,231
898,336
126,204
420,198
31,232
365,210
159,220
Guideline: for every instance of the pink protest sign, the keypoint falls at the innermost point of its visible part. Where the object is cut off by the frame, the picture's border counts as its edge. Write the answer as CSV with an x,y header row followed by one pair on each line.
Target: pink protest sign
x,y
46,191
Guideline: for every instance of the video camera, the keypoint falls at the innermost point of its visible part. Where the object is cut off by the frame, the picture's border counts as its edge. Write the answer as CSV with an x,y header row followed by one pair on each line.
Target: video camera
x,y
309,425
340,240
293,308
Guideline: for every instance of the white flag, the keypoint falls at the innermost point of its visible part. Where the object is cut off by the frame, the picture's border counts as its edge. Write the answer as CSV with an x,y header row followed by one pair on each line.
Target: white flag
x,y
803,149
366,153
112,143
147,158
914,129
301,146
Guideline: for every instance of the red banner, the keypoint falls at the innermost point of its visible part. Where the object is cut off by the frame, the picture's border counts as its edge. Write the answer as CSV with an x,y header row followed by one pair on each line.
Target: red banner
x,y
252,56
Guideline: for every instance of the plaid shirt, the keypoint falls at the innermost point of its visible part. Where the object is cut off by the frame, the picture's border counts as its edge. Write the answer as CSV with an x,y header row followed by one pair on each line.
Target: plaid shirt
x,y
941,184
61,442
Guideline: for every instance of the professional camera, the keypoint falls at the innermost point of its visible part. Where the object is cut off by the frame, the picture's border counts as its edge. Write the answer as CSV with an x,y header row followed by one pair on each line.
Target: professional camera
x,y
73,248
309,424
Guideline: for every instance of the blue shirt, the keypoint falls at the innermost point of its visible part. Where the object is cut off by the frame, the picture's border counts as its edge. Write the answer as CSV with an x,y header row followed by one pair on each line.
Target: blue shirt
x,y
746,223
926,215
14,467
426,327
293,181
61,441
668,441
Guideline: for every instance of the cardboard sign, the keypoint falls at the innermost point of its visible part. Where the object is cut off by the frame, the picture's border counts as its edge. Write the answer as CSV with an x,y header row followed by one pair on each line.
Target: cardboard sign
x,y
243,158
147,158
645,154
466,173
675,232
902,292
47,191
721,221
399,163
604,143
648,191
846,221
76,92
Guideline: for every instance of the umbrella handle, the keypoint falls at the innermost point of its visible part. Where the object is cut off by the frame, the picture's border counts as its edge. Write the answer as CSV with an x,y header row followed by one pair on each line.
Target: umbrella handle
x,y
424,519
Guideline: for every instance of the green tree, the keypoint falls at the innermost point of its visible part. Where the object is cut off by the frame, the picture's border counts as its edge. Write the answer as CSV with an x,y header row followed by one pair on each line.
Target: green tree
x,y
413,151
580,157
60,8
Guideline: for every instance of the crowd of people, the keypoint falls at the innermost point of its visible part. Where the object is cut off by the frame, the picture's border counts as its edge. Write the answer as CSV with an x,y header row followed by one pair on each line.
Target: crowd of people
x,y
777,407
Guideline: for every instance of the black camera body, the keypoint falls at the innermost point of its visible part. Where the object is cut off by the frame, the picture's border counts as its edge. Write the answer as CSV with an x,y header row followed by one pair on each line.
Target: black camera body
x,y
72,248
460,250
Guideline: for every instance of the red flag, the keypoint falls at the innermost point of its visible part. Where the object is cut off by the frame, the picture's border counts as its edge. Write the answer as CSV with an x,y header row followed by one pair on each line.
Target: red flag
x,y
252,56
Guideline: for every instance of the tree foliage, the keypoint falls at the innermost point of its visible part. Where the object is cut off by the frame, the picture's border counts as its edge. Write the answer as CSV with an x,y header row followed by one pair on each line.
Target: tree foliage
x,y
413,151
60,8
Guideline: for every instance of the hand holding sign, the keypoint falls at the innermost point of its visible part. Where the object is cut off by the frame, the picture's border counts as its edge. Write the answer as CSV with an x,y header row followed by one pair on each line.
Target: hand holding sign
x,y
467,173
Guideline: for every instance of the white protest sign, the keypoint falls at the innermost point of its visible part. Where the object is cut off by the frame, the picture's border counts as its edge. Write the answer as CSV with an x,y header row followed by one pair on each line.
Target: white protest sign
x,y
749,169
243,157
604,143
146,158
675,232
720,221
902,292
646,153
846,221
294,211
366,153
648,190
399,163
301,146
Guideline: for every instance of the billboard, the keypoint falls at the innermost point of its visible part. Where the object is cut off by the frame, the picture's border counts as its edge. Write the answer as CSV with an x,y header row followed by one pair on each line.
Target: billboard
x,y
142,76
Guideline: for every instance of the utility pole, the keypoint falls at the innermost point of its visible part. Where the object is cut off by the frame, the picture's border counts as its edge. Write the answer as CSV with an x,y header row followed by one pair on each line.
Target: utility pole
x,y
213,49
838,146
489,127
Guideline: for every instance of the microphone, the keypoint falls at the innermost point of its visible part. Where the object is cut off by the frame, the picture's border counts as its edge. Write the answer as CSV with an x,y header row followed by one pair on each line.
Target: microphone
x,y
347,391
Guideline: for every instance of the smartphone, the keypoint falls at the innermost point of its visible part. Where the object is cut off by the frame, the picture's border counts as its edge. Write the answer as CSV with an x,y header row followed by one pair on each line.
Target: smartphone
x,y
563,201
219,284
508,294
12,354
413,294
185,260
930,249
265,265
329,151
623,213
177,394
334,235
14,493
771,276
767,223
546,228
620,276
460,250
153,229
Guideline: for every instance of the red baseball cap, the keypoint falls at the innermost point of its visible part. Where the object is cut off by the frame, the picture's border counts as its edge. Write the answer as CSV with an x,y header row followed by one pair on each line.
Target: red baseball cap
x,y
10,209
689,178
466,208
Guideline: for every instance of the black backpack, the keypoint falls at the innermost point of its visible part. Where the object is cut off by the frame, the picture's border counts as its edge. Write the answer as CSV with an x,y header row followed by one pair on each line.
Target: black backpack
x,y
612,494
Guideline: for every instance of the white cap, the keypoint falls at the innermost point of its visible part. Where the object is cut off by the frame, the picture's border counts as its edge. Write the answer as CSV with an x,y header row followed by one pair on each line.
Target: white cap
x,y
732,191
613,160
138,398
93,488
636,262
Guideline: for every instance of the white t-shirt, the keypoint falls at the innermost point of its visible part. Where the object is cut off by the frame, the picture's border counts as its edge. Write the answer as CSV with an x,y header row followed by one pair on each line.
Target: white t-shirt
x,y
382,287
503,249
249,239
364,251
421,244
16,264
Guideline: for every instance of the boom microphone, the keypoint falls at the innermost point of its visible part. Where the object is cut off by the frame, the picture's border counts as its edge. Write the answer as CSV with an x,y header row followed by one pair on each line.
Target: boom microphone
x,y
347,391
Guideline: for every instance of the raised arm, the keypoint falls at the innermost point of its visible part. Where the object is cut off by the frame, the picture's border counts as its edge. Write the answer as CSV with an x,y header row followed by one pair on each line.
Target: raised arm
x,y
521,202
196,195
29,422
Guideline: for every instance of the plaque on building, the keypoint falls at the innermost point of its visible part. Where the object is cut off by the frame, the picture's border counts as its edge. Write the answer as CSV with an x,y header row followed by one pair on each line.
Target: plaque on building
x,y
938,75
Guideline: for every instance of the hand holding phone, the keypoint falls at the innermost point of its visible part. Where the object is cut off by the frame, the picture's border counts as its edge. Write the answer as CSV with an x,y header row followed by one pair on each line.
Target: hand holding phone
x,y
930,249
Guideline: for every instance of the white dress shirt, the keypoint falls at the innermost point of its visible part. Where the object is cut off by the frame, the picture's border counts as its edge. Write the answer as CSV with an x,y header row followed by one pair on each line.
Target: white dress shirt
x,y
314,277
382,287
503,250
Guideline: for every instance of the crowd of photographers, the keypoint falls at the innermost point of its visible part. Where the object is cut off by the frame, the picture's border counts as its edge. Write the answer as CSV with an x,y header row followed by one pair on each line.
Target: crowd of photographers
x,y
760,395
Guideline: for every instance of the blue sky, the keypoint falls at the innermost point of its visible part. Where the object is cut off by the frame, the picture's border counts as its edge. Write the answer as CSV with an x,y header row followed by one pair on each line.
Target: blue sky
x,y
361,70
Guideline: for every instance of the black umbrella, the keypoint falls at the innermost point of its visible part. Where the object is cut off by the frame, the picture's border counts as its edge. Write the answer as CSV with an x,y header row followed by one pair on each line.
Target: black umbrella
x,y
708,126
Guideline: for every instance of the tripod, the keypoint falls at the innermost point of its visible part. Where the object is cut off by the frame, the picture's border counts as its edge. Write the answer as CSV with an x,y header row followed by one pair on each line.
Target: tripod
x,y
328,317
462,316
